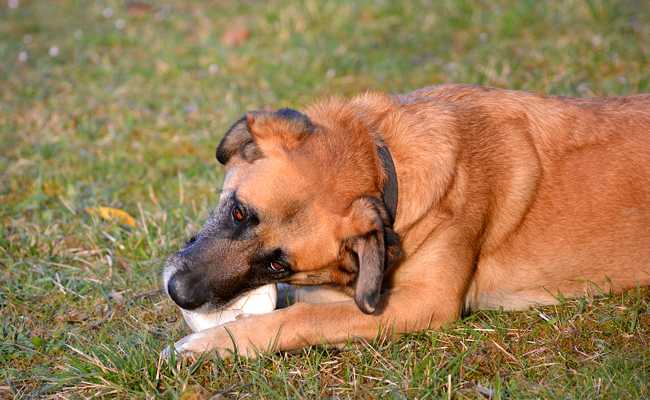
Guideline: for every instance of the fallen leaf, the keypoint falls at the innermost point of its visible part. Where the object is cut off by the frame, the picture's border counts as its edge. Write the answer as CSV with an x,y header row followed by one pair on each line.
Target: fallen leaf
x,y
138,8
52,189
112,214
235,35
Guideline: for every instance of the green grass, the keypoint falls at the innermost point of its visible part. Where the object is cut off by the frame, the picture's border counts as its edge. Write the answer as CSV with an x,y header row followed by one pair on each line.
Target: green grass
x,y
128,114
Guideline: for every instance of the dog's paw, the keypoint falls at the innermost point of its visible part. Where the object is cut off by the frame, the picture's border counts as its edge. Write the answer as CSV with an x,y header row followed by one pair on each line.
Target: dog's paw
x,y
190,345
214,339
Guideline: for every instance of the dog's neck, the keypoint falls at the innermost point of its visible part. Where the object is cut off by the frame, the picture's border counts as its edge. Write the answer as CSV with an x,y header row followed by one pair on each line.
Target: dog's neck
x,y
393,124
388,123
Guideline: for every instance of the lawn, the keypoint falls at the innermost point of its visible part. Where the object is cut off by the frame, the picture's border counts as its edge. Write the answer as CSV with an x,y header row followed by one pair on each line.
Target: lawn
x,y
121,104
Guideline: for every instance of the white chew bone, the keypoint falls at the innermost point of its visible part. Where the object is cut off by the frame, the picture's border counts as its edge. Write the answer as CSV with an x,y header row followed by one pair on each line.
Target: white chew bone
x,y
258,301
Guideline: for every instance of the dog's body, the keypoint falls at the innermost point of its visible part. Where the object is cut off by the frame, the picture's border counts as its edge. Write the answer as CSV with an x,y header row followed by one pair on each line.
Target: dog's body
x,y
506,200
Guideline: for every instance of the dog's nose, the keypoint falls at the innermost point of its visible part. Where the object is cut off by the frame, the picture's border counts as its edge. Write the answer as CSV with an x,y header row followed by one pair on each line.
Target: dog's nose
x,y
187,291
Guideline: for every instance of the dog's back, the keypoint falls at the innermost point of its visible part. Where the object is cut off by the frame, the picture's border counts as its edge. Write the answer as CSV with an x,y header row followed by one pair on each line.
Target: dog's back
x,y
571,199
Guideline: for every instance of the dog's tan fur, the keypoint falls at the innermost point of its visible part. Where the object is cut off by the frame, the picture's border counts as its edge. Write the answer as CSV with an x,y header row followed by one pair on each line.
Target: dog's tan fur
x,y
506,199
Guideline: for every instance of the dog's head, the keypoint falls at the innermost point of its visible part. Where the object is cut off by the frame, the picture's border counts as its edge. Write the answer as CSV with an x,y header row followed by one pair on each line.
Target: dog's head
x,y
300,203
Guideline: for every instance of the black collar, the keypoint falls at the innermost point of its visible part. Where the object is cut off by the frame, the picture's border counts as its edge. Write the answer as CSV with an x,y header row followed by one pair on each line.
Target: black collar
x,y
389,191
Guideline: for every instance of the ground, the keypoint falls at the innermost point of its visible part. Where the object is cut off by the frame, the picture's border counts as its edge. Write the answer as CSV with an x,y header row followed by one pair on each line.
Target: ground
x,y
121,104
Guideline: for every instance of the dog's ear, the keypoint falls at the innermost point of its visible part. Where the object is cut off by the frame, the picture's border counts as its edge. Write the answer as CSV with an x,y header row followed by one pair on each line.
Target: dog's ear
x,y
279,131
262,132
370,276
238,140
376,247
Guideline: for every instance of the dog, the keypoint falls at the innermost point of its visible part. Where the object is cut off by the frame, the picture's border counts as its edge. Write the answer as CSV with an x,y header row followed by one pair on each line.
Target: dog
x,y
405,212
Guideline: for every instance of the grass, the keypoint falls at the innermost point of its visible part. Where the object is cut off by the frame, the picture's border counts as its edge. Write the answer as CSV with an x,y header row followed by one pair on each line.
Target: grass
x,y
121,104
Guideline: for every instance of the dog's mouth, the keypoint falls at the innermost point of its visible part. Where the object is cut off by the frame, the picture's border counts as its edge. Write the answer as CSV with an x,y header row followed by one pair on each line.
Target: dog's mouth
x,y
191,290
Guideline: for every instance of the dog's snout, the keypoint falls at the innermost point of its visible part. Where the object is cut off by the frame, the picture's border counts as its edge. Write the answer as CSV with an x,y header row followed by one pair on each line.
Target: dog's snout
x,y
188,290
207,269
186,285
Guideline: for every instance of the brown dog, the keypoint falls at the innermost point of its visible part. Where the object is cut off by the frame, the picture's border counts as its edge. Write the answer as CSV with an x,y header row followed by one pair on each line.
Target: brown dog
x,y
421,206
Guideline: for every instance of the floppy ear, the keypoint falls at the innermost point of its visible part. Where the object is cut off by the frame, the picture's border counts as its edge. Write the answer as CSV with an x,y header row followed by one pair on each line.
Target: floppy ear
x,y
370,254
376,247
238,139
261,132
280,131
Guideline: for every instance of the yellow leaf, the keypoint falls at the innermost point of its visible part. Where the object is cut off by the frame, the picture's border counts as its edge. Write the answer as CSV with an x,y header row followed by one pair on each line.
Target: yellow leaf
x,y
52,189
112,214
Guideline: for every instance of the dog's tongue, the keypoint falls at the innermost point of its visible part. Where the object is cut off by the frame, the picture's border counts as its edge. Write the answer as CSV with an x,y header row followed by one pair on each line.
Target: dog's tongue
x,y
258,301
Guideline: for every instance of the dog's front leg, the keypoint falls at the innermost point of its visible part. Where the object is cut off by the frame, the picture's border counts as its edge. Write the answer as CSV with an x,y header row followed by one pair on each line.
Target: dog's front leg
x,y
429,292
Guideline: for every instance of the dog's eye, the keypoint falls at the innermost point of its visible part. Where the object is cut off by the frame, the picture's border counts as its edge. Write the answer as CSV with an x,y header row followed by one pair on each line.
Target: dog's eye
x,y
277,266
238,214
